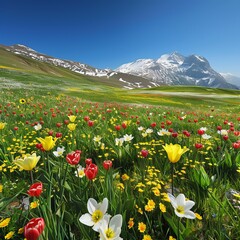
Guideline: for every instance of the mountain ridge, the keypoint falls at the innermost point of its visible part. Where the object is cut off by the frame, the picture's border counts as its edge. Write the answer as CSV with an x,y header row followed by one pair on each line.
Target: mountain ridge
x,y
169,69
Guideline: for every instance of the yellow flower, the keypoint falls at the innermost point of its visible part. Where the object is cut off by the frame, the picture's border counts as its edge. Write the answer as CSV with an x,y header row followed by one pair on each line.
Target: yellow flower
x,y
198,216
141,227
72,118
147,237
20,230
22,101
171,238
4,222
1,187
162,207
71,126
150,205
2,125
125,177
28,163
130,223
48,142
9,235
34,204
174,152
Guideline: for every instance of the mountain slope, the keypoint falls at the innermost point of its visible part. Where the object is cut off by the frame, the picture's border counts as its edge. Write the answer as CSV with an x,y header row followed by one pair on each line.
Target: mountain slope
x,y
230,78
175,69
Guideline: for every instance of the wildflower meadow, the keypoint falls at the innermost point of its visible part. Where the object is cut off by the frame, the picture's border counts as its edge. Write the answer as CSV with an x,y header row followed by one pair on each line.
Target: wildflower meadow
x,y
83,170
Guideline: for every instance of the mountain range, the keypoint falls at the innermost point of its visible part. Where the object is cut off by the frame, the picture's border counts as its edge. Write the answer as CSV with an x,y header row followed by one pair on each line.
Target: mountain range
x,y
169,69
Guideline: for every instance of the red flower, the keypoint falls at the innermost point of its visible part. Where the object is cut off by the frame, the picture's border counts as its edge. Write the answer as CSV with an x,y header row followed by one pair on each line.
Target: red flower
x,y
91,171
73,158
144,153
107,164
88,161
34,228
153,125
198,145
200,131
236,145
35,189
118,127
124,125
225,137
86,118
90,123
174,134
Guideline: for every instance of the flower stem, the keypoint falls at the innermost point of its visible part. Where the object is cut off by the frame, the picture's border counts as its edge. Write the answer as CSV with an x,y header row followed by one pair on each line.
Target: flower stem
x,y
172,171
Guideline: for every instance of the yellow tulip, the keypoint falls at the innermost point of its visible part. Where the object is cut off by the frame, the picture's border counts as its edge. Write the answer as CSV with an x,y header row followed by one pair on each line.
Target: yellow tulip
x,y
71,126
2,125
28,162
48,142
174,152
72,118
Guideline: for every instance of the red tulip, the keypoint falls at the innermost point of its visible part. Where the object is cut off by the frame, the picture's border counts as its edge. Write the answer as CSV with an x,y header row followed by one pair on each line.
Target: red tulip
x,y
35,189
34,228
91,171
118,127
225,137
198,145
236,145
58,135
86,118
144,153
124,125
90,123
174,134
219,128
200,131
168,122
73,158
88,161
153,125
107,164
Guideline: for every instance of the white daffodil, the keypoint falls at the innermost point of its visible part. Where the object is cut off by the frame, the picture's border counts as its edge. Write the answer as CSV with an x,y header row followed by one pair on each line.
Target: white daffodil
x,y
80,171
128,138
205,136
111,230
38,127
96,213
181,206
59,152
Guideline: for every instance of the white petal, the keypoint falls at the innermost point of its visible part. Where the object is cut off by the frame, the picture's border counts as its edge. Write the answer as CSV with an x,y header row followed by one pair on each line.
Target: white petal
x,y
189,214
116,222
188,205
180,200
104,205
92,205
97,226
86,219
172,200
179,214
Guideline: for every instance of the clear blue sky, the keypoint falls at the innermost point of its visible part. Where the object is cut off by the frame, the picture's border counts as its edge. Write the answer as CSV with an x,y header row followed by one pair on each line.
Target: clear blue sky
x,y
108,33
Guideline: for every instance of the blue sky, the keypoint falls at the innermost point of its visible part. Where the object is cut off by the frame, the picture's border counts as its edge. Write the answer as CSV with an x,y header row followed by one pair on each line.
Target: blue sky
x,y
108,33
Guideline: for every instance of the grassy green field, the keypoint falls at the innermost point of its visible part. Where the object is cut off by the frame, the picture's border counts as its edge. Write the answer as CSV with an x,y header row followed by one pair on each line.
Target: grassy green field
x,y
93,148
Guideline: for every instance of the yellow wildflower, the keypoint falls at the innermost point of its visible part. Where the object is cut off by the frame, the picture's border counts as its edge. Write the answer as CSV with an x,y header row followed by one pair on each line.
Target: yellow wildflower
x,y
141,227
4,222
9,235
1,187
130,223
147,237
72,126
125,177
171,238
198,216
34,204
162,207
22,101
20,230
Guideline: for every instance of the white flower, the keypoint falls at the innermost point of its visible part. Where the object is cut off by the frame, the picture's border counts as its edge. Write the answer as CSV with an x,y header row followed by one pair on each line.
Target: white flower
x,y
80,171
97,139
128,138
149,131
96,213
223,132
119,141
38,127
140,128
181,206
203,128
205,136
111,230
59,152
163,132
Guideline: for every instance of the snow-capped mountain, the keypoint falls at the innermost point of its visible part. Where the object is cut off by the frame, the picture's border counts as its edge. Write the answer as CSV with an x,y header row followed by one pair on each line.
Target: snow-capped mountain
x,y
71,65
230,78
176,69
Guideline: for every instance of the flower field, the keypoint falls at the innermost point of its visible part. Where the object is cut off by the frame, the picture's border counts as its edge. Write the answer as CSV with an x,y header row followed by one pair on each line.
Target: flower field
x,y
75,169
